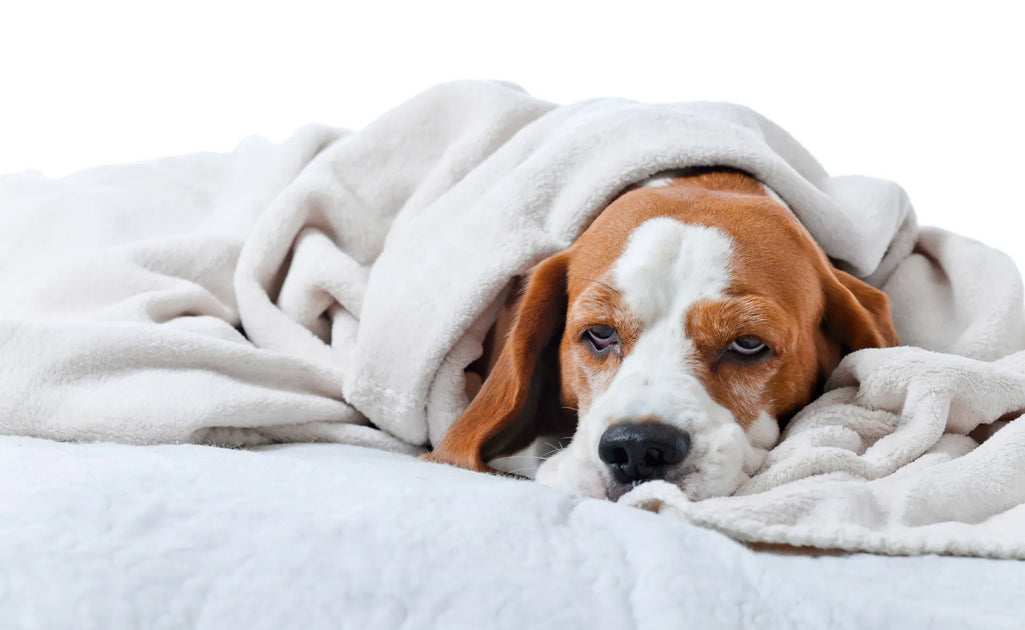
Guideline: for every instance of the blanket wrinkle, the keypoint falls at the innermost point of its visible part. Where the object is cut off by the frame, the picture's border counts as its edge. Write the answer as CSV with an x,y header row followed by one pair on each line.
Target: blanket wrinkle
x,y
335,287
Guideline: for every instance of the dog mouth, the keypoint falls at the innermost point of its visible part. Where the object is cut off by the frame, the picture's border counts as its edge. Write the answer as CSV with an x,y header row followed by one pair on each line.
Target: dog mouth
x,y
683,477
615,491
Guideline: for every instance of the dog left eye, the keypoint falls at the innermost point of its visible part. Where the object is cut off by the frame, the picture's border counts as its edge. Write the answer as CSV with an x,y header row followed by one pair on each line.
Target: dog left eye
x,y
748,346
601,337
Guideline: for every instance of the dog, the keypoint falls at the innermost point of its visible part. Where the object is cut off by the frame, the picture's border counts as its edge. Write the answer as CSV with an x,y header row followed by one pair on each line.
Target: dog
x,y
671,340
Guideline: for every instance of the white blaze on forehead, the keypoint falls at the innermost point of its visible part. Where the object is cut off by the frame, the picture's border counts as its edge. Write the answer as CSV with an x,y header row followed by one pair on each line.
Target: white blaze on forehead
x,y
668,265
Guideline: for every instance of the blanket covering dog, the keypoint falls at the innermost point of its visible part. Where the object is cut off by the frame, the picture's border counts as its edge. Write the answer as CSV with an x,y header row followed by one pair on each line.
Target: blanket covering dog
x,y
335,287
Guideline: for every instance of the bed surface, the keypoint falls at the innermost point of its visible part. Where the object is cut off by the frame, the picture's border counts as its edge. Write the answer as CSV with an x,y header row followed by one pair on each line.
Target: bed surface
x,y
327,536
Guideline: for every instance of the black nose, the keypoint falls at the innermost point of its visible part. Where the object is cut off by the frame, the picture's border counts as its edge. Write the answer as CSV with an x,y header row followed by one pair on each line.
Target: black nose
x,y
639,452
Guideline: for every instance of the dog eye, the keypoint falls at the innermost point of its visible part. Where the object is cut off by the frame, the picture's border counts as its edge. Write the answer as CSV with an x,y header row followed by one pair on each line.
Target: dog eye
x,y
748,346
601,337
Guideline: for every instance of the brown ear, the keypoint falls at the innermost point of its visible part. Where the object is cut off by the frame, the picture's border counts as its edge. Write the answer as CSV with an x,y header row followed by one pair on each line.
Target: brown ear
x,y
857,315
509,396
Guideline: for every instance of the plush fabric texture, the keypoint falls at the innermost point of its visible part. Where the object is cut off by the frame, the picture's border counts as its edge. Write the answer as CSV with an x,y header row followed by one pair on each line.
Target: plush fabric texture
x,y
328,536
334,287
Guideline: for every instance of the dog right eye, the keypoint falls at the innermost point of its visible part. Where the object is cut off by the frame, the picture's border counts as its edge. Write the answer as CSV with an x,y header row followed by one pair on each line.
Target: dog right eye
x,y
601,338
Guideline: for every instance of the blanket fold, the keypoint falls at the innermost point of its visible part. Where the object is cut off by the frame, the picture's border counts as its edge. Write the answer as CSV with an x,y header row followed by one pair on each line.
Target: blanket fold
x,y
336,286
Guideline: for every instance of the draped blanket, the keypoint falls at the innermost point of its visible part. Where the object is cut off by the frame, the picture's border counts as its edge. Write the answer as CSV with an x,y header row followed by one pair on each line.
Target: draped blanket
x,y
334,287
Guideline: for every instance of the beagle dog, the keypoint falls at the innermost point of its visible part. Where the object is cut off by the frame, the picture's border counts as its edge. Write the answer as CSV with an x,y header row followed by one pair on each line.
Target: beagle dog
x,y
692,317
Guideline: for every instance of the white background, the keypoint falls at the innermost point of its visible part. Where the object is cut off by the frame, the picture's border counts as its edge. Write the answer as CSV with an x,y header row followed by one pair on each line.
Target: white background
x,y
927,94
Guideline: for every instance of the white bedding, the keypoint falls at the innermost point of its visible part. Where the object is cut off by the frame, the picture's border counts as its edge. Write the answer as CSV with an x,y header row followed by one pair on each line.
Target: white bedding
x,y
315,536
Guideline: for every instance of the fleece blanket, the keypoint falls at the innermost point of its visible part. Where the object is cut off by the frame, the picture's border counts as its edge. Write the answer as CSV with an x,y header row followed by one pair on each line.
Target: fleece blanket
x,y
335,287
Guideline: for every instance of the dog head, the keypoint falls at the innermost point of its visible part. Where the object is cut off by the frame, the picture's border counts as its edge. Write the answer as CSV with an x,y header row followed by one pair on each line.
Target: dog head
x,y
686,322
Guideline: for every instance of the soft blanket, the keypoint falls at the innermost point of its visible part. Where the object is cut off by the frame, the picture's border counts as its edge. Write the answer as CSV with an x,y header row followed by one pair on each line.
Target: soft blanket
x,y
336,286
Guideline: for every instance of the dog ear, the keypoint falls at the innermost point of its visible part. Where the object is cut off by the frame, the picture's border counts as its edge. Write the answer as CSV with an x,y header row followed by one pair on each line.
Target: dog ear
x,y
510,395
857,316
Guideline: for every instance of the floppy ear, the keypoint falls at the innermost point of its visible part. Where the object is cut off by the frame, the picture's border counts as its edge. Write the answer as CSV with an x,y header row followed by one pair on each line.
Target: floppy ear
x,y
508,400
857,315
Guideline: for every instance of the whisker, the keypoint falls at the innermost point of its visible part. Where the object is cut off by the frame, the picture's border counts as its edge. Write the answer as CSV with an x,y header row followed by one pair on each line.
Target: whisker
x,y
522,471
529,457
552,449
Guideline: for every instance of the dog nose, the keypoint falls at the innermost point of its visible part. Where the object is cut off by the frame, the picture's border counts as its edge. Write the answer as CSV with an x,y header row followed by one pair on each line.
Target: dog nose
x,y
642,451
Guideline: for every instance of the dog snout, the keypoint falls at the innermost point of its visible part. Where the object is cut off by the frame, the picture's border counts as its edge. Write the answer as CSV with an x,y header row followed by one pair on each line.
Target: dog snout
x,y
636,452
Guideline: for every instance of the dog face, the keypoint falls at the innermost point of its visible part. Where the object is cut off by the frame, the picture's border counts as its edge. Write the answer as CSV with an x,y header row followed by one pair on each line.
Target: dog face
x,y
688,318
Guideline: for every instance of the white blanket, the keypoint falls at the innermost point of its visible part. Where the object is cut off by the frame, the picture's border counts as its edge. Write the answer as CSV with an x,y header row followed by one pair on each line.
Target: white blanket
x,y
304,291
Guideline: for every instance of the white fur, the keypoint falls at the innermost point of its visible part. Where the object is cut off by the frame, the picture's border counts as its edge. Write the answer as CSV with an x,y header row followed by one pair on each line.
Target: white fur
x,y
667,266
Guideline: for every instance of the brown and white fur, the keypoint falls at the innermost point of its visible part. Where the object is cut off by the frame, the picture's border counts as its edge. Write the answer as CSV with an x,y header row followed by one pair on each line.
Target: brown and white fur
x,y
726,317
